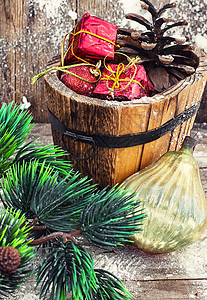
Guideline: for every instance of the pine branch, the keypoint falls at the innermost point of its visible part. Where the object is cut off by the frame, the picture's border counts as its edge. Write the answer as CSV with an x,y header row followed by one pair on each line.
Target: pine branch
x,y
111,218
66,236
39,191
58,204
15,125
39,227
68,268
47,189
17,121
20,183
49,155
7,149
110,287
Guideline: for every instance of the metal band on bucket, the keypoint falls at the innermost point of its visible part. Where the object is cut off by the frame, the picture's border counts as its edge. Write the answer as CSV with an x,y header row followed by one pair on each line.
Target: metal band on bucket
x,y
120,141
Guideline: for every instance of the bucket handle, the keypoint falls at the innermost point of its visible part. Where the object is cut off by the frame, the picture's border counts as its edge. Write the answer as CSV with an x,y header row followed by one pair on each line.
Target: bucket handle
x,y
79,138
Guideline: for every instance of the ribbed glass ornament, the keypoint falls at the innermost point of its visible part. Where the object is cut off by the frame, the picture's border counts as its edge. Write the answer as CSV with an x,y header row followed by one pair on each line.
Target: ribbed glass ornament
x,y
171,192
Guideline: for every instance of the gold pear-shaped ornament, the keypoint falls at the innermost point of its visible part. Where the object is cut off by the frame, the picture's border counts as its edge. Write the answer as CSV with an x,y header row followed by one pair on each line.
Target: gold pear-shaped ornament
x,y
172,195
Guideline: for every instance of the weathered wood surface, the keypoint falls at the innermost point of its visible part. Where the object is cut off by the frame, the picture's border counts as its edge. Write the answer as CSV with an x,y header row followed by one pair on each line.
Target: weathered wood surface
x,y
109,166
31,32
180,275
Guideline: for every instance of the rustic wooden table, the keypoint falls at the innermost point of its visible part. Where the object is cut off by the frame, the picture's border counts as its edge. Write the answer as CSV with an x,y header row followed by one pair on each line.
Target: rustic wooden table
x,y
178,275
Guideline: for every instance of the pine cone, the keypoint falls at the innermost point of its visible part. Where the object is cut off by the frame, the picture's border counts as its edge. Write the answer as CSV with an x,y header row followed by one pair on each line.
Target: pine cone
x,y
9,259
166,59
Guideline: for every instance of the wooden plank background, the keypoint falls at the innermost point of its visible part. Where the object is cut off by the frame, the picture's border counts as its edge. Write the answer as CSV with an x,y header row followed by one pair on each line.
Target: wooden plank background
x,y
31,32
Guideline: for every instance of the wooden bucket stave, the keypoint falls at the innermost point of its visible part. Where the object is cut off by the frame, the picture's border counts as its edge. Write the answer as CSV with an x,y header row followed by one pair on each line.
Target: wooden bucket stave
x,y
109,166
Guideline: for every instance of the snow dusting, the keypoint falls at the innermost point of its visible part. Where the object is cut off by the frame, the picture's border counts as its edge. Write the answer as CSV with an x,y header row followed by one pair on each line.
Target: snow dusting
x,y
25,104
132,6
201,42
54,7
73,15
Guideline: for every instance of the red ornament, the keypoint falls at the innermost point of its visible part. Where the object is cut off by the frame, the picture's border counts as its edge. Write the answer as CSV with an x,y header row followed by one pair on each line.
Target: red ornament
x,y
78,85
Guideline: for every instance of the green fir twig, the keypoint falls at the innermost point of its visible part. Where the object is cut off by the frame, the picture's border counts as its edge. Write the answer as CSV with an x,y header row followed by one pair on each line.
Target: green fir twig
x,y
54,205
111,218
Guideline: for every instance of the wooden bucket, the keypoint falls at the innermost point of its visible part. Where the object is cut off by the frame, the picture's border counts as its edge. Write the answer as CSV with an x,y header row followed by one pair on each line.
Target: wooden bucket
x,y
165,119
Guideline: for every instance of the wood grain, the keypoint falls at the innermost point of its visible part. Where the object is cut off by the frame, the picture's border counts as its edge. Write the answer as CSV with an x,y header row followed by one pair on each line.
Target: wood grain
x,y
29,38
94,116
169,289
31,32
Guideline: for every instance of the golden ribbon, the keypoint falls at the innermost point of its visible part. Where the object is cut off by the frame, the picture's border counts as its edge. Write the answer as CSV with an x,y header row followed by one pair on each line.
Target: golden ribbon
x,y
96,72
115,77
74,34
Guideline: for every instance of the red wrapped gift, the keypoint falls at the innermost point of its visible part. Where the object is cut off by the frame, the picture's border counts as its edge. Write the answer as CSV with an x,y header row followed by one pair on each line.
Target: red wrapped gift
x,y
92,38
118,81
